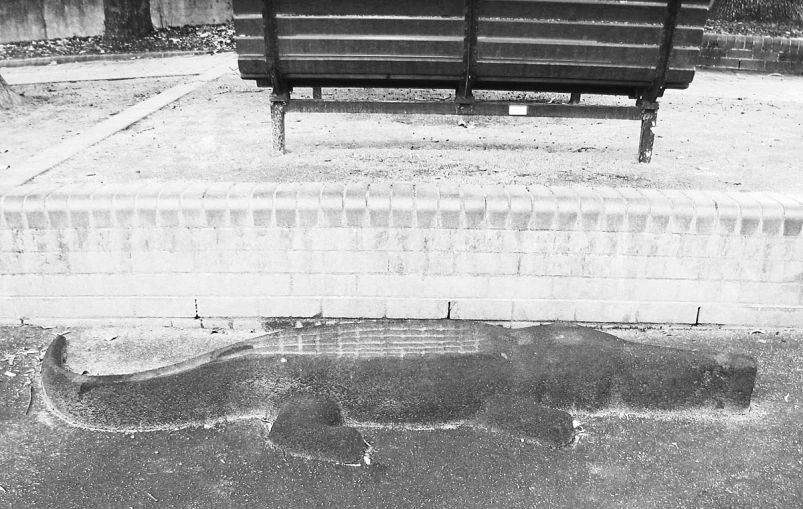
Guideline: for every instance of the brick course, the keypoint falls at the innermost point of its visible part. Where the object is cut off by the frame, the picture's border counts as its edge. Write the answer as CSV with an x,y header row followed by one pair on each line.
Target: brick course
x,y
752,53
243,252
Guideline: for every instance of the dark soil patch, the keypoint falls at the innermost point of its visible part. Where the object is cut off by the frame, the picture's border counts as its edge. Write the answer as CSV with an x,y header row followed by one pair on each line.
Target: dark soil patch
x,y
207,38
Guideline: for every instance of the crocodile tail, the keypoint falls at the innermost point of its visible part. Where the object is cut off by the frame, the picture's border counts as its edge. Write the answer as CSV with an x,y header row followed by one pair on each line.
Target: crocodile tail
x,y
247,379
204,390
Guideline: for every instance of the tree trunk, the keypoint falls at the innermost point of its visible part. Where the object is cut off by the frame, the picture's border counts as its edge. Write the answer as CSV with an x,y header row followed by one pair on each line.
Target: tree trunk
x,y
8,98
757,10
128,18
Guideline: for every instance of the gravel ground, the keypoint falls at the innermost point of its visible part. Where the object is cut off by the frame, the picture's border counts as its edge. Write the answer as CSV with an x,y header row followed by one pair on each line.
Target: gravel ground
x,y
217,38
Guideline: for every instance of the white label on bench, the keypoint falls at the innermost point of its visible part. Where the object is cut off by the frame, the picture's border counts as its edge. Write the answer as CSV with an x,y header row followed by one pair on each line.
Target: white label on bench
x,y
517,109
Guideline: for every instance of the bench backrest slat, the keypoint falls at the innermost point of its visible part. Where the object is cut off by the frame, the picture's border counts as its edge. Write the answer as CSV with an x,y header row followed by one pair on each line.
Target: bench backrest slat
x,y
370,7
610,32
592,11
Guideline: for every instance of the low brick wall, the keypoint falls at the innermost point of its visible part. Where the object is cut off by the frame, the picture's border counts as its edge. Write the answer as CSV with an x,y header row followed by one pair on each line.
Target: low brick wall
x,y
752,53
184,253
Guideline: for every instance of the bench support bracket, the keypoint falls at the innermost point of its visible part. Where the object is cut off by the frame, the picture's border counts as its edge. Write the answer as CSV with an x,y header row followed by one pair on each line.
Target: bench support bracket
x,y
648,96
486,108
649,117
272,47
278,108
464,94
280,104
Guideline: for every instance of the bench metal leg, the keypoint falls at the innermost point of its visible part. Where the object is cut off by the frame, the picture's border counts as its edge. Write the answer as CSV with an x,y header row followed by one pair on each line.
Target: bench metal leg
x,y
316,93
575,98
278,108
649,117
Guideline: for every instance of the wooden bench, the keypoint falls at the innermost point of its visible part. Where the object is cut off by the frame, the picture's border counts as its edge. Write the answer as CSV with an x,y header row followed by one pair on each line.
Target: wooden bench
x,y
637,48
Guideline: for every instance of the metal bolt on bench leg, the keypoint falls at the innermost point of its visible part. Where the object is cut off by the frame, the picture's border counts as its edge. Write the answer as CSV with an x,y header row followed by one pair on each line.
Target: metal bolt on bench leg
x,y
649,117
278,108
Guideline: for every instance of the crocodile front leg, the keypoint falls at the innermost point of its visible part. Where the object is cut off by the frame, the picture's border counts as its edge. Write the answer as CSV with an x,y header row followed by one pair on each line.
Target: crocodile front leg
x,y
312,426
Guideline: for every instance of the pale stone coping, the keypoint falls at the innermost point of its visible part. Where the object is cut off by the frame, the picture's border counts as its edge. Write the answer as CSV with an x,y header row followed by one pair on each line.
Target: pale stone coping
x,y
401,205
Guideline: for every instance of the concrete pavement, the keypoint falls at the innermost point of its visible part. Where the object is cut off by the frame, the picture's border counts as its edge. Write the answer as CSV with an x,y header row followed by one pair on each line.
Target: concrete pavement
x,y
624,460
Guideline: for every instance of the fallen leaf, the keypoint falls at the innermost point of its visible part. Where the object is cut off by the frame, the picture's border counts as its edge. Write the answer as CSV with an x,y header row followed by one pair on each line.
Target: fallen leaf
x,y
10,374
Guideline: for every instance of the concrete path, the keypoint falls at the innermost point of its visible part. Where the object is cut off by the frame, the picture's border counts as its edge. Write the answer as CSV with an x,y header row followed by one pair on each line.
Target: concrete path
x,y
117,69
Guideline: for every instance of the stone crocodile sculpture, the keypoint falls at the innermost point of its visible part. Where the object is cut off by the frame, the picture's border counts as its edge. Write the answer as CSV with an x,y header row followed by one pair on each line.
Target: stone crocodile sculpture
x,y
315,383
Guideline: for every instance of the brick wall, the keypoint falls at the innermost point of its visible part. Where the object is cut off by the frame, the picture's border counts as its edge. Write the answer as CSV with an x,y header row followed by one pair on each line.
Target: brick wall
x,y
752,53
185,253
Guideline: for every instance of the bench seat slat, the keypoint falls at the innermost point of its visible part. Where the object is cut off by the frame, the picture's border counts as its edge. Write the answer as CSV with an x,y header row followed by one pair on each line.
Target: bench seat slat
x,y
503,76
489,73
567,72
401,65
